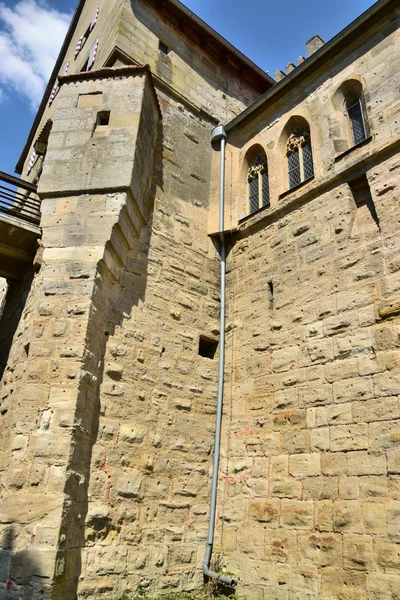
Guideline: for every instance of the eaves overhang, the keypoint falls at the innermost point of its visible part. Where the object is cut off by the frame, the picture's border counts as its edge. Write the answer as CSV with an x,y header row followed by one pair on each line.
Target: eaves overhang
x,y
315,61
221,40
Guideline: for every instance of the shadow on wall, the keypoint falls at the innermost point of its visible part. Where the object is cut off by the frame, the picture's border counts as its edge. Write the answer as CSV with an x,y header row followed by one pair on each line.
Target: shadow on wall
x,y
12,307
20,574
106,315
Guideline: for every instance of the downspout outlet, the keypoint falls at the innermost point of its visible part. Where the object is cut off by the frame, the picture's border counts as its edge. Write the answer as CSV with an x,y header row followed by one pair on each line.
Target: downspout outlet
x,y
218,134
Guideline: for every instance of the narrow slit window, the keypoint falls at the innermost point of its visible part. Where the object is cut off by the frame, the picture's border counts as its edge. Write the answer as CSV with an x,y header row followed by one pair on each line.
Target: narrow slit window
x,y
270,295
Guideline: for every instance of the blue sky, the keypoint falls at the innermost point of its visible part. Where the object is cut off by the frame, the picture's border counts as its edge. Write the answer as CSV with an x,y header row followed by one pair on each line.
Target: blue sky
x,y
270,32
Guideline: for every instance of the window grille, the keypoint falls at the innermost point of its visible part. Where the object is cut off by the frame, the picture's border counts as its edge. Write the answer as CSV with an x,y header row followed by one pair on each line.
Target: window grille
x,y
356,118
53,94
258,185
308,164
299,157
78,47
253,194
31,162
265,188
294,169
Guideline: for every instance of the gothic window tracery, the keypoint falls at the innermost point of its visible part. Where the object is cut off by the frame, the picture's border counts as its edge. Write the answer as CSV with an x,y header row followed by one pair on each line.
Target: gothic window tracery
x,y
258,183
299,156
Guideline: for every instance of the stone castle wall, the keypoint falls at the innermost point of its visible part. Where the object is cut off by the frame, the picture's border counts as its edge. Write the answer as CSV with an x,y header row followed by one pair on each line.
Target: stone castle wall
x,y
150,470
129,32
309,500
108,407
310,493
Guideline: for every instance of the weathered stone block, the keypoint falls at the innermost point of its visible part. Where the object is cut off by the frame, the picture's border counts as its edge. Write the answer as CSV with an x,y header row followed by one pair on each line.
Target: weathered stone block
x,y
280,545
358,552
374,517
286,487
384,587
347,516
387,554
321,550
320,488
264,511
323,515
297,515
349,437
128,485
347,585
365,463
305,465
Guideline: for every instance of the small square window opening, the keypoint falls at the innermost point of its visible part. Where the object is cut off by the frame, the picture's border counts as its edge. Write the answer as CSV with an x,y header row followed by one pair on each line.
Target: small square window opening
x,y
103,118
207,347
163,47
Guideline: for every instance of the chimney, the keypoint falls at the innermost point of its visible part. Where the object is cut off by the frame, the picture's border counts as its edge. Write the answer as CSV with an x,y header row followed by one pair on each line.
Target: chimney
x,y
314,44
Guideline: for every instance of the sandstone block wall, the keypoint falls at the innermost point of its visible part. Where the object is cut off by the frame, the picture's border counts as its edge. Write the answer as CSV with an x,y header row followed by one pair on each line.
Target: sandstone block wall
x,y
54,369
309,504
310,493
191,72
190,68
108,406
150,472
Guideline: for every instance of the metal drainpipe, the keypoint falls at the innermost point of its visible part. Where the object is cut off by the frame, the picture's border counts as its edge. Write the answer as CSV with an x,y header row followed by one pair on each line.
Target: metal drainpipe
x,y
218,135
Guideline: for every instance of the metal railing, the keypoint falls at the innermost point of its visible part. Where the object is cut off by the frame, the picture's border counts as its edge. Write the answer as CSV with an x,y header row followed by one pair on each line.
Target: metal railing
x,y
18,198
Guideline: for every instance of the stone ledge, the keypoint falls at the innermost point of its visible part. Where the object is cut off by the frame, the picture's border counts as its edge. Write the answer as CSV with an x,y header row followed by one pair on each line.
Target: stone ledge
x,y
366,141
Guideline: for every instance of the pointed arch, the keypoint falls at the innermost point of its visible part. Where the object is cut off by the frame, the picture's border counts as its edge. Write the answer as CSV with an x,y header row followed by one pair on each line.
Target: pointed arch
x,y
256,165
348,101
296,142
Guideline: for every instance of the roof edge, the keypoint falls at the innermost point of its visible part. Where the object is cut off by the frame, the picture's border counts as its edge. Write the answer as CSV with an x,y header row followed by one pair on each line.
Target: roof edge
x,y
191,15
315,60
104,73
67,41
108,72
42,106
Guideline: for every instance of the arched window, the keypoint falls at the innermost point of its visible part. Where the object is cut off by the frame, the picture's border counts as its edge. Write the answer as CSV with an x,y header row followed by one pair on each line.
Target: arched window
x,y
258,184
349,123
299,156
355,116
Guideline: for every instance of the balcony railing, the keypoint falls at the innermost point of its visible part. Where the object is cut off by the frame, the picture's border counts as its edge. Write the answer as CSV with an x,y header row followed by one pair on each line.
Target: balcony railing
x,y
19,199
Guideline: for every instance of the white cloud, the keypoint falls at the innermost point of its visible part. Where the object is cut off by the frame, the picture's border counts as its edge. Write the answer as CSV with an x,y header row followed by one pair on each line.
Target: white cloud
x,y
31,35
